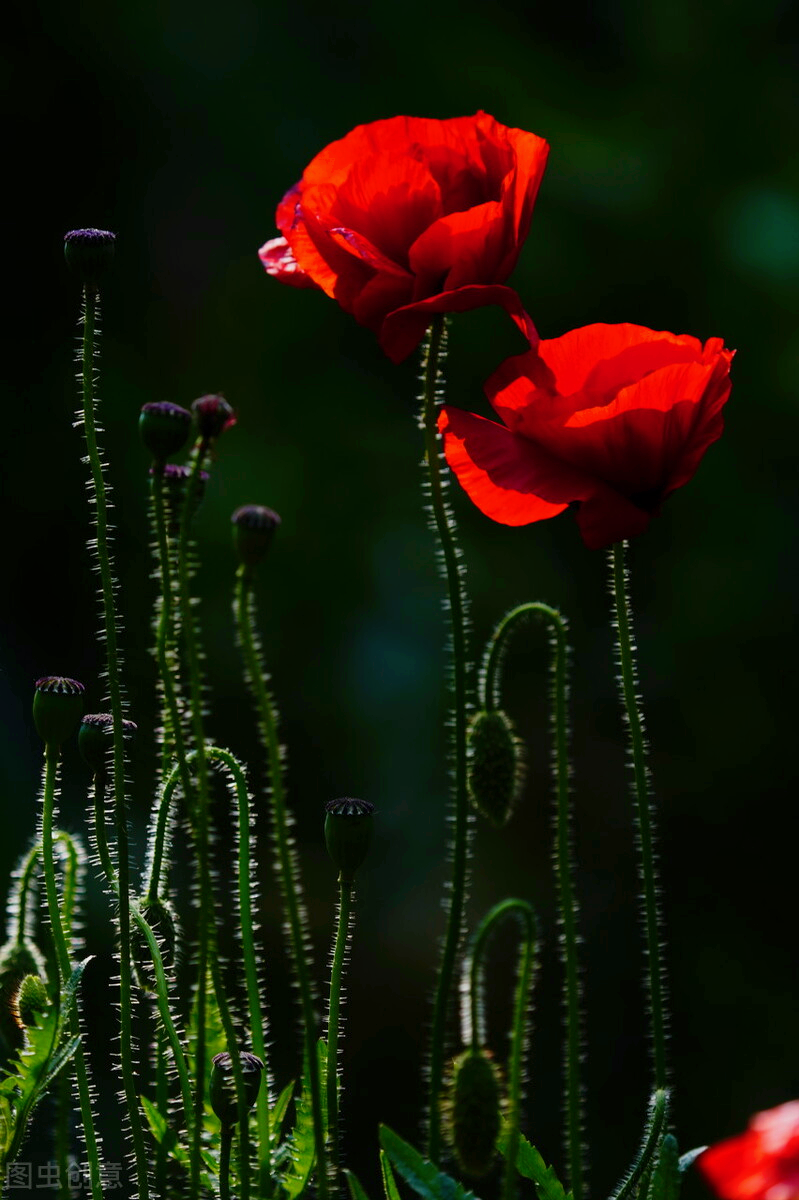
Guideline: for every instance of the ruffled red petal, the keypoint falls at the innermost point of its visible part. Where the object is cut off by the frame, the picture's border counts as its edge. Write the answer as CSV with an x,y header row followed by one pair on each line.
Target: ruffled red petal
x,y
279,260
403,329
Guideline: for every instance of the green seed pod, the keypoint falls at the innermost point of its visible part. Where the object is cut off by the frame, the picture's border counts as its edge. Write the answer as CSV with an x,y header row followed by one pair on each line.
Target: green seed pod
x,y
89,253
57,706
349,826
496,765
96,738
31,998
160,916
164,428
223,1084
473,1111
253,529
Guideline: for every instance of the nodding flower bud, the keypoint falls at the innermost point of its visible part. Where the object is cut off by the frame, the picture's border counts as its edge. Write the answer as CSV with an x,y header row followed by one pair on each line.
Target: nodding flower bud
x,y
496,765
214,415
96,737
57,705
223,1084
175,479
164,428
349,826
17,959
30,999
89,253
160,916
253,529
473,1111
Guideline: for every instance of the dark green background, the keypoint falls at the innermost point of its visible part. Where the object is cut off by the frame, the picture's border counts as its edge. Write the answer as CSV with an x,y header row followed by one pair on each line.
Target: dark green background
x,y
670,200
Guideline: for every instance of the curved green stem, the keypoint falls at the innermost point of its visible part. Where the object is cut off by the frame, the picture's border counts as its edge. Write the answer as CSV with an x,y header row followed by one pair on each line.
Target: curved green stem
x,y
225,1143
114,666
288,870
644,820
64,964
653,1131
443,525
342,937
524,913
490,683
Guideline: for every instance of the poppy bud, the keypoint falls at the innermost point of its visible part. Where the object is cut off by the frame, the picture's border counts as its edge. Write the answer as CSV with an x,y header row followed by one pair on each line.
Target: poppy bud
x,y
89,253
496,766
164,428
349,825
253,529
17,959
214,415
57,705
473,1111
223,1084
31,998
160,917
96,737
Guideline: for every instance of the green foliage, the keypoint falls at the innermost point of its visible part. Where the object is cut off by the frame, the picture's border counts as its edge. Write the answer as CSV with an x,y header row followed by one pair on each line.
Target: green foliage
x,y
354,1184
48,1048
389,1182
302,1151
531,1165
425,1178
666,1177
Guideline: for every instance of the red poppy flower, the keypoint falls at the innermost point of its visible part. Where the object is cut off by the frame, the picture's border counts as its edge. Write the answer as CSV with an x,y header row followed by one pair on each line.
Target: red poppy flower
x,y
615,417
411,216
761,1164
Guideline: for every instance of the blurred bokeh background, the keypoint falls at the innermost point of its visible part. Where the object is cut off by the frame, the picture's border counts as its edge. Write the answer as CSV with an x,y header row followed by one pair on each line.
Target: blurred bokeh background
x,y
670,200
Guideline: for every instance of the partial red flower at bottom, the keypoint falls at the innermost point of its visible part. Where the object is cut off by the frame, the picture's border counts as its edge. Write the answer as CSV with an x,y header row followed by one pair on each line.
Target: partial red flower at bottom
x,y
760,1164
613,418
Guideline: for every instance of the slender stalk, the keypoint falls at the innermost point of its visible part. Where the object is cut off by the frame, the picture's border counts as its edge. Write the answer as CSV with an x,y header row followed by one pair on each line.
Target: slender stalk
x,y
564,862
443,525
288,870
644,818
342,937
114,664
64,966
225,1143
518,1038
653,1132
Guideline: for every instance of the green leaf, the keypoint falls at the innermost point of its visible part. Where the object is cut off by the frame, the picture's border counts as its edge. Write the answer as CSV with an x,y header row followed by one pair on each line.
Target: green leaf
x,y
666,1177
389,1182
354,1184
531,1165
689,1158
425,1179
303,1143
215,1040
278,1114
60,1060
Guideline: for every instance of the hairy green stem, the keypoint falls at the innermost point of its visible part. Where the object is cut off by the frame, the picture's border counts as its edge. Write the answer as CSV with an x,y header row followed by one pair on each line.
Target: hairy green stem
x,y
523,912
64,964
288,870
113,665
644,818
444,527
564,864
225,1143
653,1132
342,937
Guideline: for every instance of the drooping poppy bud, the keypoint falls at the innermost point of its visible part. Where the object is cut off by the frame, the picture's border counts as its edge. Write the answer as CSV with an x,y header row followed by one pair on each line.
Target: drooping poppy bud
x,y
160,916
17,959
89,253
57,705
496,765
96,737
223,1084
473,1111
349,827
253,529
164,428
214,415
31,998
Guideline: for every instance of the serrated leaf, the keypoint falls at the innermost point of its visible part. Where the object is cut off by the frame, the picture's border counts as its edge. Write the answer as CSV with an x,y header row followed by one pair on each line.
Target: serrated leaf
x,y
60,1060
425,1178
278,1113
354,1184
531,1165
666,1178
302,1142
689,1158
69,993
215,1040
389,1182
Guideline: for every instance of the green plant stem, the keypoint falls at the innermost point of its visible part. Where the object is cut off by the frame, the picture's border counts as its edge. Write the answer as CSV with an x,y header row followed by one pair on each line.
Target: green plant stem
x,y
564,864
343,934
64,965
644,821
444,527
524,913
225,1143
114,664
288,870
653,1132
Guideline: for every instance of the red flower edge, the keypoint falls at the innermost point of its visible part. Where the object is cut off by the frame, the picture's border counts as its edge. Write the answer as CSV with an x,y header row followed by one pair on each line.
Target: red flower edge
x,y
760,1164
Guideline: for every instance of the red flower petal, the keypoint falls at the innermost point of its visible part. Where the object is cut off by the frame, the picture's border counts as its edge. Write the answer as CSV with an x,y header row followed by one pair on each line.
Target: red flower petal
x,y
760,1164
279,261
404,328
